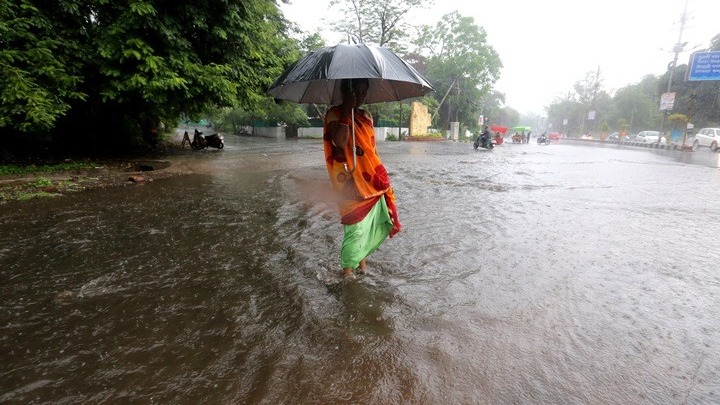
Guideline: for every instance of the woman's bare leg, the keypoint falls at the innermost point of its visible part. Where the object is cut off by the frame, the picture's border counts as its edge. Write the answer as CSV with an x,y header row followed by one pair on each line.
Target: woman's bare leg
x,y
361,267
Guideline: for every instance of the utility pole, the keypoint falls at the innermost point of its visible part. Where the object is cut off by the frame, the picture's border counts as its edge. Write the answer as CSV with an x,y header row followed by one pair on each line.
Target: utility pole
x,y
594,107
443,99
455,129
688,125
400,137
679,46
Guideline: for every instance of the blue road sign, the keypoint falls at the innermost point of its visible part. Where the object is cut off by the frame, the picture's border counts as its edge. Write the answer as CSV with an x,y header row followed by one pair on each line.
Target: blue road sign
x,y
704,66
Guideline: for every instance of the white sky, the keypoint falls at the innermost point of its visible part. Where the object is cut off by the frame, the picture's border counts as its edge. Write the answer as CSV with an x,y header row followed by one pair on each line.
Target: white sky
x,y
546,46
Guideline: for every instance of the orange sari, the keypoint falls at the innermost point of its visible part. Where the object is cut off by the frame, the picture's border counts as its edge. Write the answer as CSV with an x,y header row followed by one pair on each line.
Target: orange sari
x,y
369,182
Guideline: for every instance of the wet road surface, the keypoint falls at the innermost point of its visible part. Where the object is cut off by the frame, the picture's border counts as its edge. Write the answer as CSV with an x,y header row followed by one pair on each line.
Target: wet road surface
x,y
528,274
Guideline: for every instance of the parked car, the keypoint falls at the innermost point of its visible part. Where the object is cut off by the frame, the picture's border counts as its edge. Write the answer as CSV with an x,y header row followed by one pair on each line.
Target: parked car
x,y
647,136
555,136
709,137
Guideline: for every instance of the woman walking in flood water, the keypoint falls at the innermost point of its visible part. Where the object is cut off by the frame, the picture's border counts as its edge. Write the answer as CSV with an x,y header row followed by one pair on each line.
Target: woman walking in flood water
x,y
367,202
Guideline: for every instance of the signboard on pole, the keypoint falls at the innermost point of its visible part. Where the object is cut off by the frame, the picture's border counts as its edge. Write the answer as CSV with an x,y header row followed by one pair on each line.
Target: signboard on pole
x,y
704,66
667,101
591,115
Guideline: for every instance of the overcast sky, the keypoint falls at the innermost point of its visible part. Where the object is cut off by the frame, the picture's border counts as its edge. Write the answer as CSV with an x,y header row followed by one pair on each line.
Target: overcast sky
x,y
546,46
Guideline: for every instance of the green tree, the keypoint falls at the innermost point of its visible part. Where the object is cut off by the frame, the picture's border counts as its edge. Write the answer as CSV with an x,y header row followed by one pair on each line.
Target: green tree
x,y
637,105
492,108
267,111
461,65
377,22
507,116
311,42
40,74
701,101
127,67
566,115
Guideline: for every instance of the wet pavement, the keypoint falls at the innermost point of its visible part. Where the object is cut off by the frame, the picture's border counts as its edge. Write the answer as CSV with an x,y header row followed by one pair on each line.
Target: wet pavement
x,y
567,273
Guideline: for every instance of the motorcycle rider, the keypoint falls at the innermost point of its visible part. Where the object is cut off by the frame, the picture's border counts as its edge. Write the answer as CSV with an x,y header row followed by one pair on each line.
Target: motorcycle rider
x,y
485,137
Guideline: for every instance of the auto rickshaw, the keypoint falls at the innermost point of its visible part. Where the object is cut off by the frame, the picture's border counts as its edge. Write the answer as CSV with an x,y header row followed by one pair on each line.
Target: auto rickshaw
x,y
520,134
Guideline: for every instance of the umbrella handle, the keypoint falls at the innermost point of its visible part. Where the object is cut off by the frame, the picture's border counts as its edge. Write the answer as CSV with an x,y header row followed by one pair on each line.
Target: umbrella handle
x,y
352,115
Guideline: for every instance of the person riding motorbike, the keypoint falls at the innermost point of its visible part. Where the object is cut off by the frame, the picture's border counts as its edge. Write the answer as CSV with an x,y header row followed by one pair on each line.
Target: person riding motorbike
x,y
543,139
485,137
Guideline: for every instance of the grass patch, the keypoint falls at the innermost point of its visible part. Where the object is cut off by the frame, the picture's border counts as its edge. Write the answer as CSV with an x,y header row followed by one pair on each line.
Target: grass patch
x,y
9,169
43,187
41,182
28,196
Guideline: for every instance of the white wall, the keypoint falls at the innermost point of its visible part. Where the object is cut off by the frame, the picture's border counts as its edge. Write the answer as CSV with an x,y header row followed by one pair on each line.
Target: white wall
x,y
270,132
382,132
312,132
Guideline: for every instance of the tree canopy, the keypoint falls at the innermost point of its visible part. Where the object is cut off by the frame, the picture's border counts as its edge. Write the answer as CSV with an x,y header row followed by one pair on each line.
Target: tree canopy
x,y
74,68
461,65
379,22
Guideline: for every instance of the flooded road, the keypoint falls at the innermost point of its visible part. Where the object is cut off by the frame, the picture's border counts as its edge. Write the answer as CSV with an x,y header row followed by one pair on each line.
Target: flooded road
x,y
564,274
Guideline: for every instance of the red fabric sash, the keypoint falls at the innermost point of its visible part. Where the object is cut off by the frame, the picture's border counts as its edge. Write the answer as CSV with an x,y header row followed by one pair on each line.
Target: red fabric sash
x,y
361,212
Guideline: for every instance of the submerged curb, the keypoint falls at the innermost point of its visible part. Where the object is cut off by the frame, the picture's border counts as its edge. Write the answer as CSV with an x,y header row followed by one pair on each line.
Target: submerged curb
x,y
652,145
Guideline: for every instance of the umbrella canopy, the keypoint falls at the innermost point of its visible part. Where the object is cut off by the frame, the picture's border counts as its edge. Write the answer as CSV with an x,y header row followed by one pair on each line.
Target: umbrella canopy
x,y
316,77
498,128
520,129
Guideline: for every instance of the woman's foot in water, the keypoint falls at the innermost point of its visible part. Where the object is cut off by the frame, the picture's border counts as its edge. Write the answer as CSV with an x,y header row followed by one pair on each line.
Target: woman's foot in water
x,y
361,267
348,273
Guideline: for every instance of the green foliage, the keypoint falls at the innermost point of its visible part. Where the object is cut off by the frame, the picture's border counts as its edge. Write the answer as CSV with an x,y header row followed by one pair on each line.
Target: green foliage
x,y
30,195
234,119
379,22
622,125
311,42
505,116
41,182
461,65
45,168
286,114
394,114
39,77
678,120
633,108
71,66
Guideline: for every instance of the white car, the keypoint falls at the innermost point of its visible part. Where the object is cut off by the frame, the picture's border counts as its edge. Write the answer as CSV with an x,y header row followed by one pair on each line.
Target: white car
x,y
709,137
647,136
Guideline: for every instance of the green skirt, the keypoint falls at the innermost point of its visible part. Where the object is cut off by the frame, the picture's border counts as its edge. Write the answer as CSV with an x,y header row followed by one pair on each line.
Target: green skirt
x,y
366,236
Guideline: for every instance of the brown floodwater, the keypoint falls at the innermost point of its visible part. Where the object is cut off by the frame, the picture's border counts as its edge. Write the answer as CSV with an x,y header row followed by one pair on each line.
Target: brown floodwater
x,y
561,274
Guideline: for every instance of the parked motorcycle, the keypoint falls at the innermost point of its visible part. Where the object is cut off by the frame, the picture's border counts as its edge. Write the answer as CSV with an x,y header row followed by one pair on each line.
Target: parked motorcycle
x,y
203,142
543,139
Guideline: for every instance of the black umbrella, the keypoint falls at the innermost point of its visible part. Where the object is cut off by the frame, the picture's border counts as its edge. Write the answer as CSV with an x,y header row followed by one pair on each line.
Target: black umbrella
x,y
316,77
